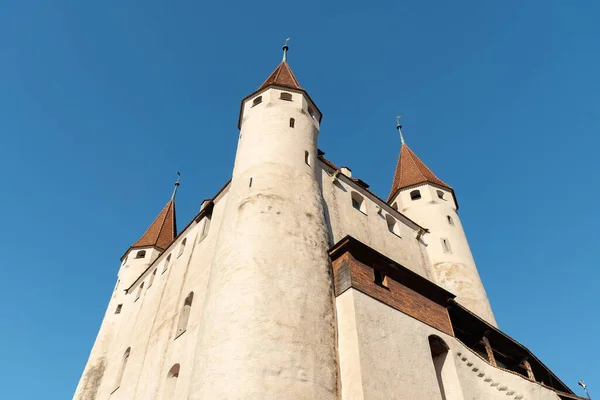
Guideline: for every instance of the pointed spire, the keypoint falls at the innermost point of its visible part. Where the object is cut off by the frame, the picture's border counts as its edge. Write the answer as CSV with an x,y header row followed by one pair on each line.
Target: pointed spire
x,y
411,171
283,75
163,229
399,127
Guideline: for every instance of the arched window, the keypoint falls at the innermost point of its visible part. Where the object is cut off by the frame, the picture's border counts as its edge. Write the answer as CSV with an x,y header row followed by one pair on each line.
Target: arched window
x,y
152,278
358,202
450,220
307,158
206,225
415,195
292,122
166,265
392,224
122,368
445,370
440,194
182,247
139,292
171,383
184,316
140,254
256,101
285,96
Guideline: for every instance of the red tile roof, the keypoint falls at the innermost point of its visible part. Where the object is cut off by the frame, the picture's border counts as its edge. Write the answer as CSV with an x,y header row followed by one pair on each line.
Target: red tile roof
x,y
282,76
411,171
162,231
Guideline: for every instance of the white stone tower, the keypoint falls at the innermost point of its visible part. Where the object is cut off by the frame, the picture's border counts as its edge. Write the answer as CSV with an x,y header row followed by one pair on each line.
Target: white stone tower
x,y
268,323
423,197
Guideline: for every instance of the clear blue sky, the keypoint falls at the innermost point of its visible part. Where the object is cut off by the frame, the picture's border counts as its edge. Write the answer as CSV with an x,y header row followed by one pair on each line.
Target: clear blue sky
x,y
101,102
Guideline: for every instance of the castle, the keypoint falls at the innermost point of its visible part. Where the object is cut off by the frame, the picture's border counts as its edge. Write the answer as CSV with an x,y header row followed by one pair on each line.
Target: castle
x,y
295,281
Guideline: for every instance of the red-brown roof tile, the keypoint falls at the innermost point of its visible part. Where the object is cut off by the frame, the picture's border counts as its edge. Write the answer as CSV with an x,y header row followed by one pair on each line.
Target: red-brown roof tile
x,y
162,231
282,76
411,171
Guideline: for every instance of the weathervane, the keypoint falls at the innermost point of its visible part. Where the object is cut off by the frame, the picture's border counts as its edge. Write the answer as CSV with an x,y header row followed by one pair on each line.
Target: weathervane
x,y
399,127
285,49
176,186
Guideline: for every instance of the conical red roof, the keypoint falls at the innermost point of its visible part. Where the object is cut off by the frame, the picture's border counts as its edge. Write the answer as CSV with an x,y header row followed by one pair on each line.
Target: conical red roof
x,y
282,76
162,231
411,171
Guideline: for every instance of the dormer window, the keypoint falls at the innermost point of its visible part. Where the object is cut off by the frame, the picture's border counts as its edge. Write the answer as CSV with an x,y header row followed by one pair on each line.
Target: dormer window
x,y
257,101
285,96
140,254
415,195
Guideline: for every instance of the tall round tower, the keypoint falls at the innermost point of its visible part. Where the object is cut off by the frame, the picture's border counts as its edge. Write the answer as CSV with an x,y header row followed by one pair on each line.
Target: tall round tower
x,y
423,197
268,322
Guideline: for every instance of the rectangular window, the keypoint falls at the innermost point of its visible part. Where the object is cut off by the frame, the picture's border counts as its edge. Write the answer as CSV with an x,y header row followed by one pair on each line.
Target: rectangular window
x,y
380,278
446,246
119,308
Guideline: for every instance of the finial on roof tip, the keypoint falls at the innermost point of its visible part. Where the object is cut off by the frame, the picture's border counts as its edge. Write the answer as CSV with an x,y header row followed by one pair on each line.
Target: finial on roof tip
x,y
285,50
176,186
399,127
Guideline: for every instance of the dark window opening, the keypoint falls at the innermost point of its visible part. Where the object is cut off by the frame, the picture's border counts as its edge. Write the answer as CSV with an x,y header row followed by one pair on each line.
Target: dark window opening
x,y
292,122
380,278
440,194
285,96
415,195
140,254
256,101
119,308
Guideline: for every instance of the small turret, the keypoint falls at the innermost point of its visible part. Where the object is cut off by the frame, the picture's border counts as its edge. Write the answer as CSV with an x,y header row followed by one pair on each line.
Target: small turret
x,y
419,194
153,242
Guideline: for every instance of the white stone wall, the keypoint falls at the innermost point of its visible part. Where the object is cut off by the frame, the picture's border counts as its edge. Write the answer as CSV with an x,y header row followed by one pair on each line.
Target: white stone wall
x,y
370,226
385,354
454,269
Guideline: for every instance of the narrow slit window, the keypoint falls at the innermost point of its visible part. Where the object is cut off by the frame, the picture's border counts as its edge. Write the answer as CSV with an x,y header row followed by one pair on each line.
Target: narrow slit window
x,y
206,226
450,220
358,202
250,183
140,254
415,195
166,265
446,246
285,96
119,308
122,368
184,316
380,278
152,278
182,247
292,122
139,292
307,158
257,101
171,384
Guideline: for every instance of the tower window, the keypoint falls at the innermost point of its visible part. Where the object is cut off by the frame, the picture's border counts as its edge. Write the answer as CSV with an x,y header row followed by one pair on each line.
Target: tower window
x,y
440,194
184,316
119,308
446,246
285,96
152,278
171,383
139,292
395,206
292,122
250,183
307,158
380,278
122,368
206,225
167,262
257,101
415,195
311,112
392,225
358,202
182,247
450,220
140,254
